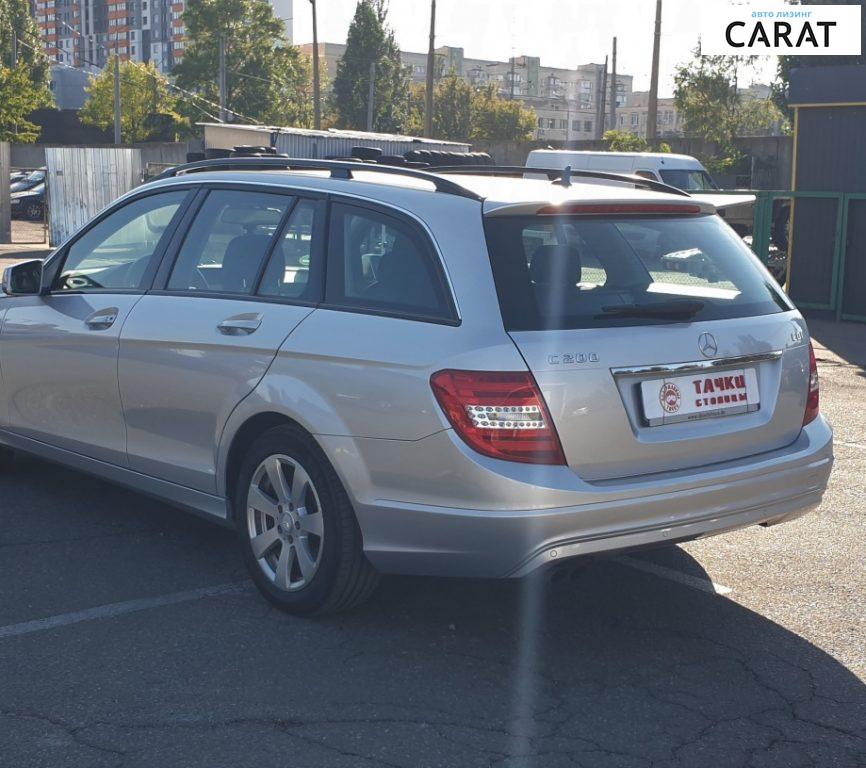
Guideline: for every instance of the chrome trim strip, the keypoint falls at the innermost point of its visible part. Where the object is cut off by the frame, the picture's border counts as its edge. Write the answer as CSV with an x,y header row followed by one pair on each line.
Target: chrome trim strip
x,y
700,365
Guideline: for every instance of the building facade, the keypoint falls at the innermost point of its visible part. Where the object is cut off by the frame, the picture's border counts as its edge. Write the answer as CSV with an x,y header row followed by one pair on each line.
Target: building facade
x,y
83,33
567,101
631,116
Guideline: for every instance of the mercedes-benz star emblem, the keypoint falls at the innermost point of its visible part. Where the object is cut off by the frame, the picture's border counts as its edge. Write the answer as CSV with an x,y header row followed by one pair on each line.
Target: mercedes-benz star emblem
x,y
707,345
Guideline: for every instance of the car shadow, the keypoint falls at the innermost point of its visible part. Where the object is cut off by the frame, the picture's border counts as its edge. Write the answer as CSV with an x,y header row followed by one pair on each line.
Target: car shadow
x,y
846,340
597,663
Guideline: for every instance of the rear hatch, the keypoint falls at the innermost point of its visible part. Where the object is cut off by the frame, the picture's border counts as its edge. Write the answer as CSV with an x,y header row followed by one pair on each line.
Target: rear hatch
x,y
657,339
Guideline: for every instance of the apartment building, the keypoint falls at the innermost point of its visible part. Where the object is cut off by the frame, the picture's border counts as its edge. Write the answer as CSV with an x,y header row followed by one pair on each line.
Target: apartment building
x,y
632,115
567,101
83,33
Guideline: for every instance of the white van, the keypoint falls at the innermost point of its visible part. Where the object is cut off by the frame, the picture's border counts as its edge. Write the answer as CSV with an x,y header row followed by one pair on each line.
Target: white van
x,y
681,171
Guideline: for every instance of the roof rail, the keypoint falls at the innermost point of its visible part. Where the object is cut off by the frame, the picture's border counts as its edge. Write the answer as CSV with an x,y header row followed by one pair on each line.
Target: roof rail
x,y
340,169
561,175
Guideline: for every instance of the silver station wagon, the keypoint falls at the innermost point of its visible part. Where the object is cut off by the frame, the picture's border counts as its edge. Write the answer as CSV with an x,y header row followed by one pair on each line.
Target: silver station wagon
x,y
366,369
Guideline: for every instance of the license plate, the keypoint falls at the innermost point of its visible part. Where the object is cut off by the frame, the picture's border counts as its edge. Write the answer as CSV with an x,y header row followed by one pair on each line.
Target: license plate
x,y
700,396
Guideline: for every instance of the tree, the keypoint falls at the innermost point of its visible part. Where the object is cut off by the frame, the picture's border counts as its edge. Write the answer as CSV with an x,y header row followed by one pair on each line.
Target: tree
x,y
787,63
146,102
18,98
371,42
498,119
706,97
760,117
267,79
23,72
462,112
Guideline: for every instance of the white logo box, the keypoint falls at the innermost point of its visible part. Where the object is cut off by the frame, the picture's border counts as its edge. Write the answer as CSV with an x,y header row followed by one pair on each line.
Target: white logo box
x,y
773,29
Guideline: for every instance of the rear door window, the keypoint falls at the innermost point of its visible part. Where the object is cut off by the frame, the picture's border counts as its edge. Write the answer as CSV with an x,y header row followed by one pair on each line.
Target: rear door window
x,y
292,271
381,263
564,272
228,242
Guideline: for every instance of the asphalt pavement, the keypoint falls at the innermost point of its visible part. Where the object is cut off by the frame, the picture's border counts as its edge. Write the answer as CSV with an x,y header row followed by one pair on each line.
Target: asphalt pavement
x,y
129,636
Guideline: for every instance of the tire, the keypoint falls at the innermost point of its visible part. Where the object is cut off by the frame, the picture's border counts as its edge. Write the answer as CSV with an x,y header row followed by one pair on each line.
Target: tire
x,y
7,458
340,577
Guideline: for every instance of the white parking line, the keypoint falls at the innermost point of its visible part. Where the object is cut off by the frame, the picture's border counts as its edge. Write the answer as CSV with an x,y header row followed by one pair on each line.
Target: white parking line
x,y
119,609
695,582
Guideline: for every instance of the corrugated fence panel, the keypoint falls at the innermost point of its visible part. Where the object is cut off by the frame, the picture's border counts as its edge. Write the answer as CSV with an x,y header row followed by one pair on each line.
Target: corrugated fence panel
x,y
318,144
84,180
323,146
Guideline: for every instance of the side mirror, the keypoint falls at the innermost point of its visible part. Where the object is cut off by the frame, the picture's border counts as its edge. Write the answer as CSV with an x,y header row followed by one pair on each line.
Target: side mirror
x,y
23,279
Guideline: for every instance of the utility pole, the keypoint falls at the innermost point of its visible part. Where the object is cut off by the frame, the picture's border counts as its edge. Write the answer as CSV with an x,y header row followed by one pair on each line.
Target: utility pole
x,y
317,104
653,106
431,70
371,96
117,137
602,104
222,80
613,89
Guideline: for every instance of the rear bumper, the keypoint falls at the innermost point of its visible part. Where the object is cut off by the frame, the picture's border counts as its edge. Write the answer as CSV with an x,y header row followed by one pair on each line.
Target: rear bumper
x,y
406,537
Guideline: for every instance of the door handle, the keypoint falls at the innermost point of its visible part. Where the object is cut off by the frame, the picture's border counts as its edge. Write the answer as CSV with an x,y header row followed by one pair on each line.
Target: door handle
x,y
102,319
240,325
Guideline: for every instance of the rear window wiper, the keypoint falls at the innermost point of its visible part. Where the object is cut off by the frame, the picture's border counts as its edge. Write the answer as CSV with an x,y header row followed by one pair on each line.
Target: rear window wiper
x,y
675,309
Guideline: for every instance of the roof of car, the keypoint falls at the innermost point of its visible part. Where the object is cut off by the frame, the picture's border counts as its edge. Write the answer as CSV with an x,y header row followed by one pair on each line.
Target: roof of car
x,y
495,192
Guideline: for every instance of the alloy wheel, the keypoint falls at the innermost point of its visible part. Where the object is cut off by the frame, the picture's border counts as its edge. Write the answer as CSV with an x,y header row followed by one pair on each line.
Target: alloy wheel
x,y
284,522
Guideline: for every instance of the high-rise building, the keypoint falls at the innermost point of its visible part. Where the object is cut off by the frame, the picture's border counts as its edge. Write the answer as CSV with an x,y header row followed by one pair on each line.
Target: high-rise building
x,y
83,33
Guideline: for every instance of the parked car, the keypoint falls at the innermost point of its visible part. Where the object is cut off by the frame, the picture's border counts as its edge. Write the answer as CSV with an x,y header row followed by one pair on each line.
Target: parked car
x,y
29,203
374,370
26,180
27,193
681,171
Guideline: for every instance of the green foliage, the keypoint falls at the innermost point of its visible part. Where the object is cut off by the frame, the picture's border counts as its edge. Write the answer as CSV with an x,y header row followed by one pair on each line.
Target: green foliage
x,y
146,102
371,40
787,63
23,87
760,117
623,141
18,98
498,119
464,113
268,80
705,95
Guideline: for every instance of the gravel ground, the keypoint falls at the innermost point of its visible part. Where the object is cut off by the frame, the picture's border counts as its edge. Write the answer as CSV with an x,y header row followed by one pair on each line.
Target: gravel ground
x,y
635,661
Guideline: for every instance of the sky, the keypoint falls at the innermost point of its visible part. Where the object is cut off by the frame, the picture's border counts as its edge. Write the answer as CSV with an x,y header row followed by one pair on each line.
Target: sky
x,y
564,33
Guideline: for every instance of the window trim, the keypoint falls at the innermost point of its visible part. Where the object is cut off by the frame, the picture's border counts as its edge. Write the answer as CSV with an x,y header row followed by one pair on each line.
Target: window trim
x,y
451,318
54,266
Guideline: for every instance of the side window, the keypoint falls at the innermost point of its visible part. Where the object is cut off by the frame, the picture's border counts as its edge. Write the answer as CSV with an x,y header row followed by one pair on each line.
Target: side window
x,y
381,263
116,252
288,272
228,242
647,175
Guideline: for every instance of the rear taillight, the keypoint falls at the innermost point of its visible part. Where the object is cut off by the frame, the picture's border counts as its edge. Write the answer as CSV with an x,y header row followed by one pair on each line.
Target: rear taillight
x,y
502,415
813,397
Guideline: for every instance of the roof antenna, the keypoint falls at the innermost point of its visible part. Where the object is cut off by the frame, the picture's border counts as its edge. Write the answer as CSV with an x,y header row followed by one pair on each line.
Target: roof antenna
x,y
565,179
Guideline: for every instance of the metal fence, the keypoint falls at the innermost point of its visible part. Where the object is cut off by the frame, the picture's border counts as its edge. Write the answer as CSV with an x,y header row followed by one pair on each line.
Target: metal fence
x,y
84,180
821,237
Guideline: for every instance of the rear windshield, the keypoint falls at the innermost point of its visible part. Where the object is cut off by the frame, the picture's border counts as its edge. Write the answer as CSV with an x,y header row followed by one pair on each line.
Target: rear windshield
x,y
564,272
